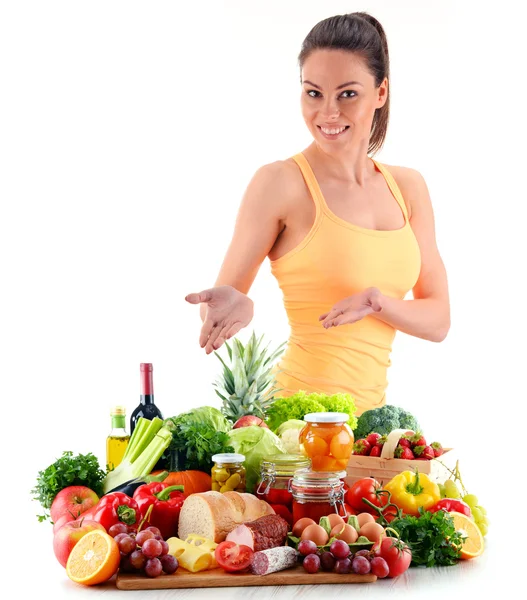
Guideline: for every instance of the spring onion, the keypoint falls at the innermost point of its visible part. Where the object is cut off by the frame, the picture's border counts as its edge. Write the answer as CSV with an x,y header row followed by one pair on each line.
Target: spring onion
x,y
148,442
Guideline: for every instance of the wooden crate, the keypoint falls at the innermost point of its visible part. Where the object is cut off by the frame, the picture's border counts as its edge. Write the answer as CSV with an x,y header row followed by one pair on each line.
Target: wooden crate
x,y
383,469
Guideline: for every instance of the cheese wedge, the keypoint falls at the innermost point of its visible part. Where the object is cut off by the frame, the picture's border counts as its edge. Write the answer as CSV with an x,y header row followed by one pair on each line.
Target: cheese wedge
x,y
190,557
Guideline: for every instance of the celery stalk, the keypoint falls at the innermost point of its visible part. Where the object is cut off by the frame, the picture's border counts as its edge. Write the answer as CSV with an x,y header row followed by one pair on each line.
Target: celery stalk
x,y
139,429
152,440
146,437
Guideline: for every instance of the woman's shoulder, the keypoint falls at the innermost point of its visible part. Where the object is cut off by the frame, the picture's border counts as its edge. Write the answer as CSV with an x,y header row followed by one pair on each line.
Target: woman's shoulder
x,y
408,180
281,176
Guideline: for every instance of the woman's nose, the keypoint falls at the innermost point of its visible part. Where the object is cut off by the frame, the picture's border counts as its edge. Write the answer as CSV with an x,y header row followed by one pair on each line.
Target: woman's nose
x,y
330,110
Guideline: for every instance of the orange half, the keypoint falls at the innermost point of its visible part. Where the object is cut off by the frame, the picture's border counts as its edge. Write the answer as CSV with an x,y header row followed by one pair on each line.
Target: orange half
x,y
95,558
474,543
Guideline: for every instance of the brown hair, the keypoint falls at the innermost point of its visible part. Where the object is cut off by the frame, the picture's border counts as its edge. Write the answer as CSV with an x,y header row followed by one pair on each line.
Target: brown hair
x,y
362,34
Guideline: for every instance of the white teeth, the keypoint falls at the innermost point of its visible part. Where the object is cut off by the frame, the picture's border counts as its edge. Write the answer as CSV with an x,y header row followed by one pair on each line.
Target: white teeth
x,y
332,131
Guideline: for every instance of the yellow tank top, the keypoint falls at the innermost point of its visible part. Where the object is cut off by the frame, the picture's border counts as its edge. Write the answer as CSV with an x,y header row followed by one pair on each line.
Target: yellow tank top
x,y
335,260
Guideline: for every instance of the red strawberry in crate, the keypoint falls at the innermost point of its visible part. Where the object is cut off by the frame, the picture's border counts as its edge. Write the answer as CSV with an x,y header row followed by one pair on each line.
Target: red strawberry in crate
x,y
376,450
361,447
404,452
418,440
437,448
373,438
424,452
381,441
405,439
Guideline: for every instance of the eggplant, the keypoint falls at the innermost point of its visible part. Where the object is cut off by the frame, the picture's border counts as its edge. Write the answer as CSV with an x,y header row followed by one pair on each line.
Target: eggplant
x,y
129,487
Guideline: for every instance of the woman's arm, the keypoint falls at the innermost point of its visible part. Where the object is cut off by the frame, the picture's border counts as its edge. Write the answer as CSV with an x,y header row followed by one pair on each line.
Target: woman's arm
x,y
427,316
258,224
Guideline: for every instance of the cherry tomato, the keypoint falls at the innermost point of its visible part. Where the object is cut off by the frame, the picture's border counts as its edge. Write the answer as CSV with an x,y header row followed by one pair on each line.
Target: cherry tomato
x,y
232,557
365,488
397,555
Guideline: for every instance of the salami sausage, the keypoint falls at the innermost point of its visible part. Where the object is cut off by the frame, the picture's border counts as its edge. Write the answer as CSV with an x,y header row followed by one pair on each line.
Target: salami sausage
x,y
263,533
273,559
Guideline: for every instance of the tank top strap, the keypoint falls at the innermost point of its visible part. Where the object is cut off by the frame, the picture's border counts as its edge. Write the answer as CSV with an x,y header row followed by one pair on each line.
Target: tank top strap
x,y
394,188
311,182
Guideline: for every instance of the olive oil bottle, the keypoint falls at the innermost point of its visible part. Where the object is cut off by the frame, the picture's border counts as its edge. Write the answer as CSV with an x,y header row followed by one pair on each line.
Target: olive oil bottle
x,y
118,439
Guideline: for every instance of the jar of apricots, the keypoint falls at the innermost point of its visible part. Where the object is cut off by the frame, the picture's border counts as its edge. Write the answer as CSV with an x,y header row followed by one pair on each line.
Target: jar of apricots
x,y
327,440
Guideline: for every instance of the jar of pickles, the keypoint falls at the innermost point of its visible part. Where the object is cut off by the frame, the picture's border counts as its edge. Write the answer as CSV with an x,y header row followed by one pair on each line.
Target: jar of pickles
x,y
228,473
317,494
273,484
327,440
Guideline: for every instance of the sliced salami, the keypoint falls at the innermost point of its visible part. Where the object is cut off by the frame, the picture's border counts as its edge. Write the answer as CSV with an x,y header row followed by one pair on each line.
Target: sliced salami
x,y
273,559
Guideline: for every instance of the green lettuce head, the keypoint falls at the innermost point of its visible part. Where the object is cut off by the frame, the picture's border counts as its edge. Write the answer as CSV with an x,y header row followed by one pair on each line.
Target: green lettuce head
x,y
254,443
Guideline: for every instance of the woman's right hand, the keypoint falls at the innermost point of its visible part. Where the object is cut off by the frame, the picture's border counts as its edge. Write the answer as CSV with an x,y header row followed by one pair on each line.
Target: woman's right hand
x,y
227,311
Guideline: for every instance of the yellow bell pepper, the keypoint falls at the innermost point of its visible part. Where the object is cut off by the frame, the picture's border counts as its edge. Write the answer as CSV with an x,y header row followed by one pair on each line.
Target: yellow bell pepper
x,y
411,490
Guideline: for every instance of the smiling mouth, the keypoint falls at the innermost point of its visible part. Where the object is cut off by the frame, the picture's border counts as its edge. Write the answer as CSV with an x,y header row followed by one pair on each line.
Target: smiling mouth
x,y
333,131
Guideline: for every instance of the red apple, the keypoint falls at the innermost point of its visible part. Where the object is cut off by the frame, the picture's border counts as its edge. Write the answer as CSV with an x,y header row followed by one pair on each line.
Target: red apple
x,y
69,534
74,499
66,518
249,420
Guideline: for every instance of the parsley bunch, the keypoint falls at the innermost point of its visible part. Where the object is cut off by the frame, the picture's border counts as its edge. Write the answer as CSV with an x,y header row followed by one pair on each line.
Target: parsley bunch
x,y
83,469
432,538
197,443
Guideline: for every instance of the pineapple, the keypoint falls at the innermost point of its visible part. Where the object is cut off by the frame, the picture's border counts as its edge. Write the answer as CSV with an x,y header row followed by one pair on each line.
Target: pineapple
x,y
247,387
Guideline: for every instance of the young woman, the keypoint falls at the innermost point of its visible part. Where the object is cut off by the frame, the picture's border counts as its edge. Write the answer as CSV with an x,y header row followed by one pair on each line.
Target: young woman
x,y
347,236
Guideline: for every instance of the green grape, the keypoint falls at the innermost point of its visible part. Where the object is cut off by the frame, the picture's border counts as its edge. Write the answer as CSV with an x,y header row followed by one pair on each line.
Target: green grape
x,y
471,500
477,514
482,509
483,527
484,520
451,489
441,490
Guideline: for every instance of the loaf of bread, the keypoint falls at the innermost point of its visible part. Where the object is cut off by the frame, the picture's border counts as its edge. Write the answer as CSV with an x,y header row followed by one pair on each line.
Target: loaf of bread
x,y
214,514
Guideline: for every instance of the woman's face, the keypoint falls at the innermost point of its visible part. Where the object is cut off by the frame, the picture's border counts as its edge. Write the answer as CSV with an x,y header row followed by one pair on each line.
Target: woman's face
x,y
339,92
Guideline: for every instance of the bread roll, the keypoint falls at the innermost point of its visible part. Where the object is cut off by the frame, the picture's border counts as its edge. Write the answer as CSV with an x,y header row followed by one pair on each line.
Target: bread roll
x,y
213,514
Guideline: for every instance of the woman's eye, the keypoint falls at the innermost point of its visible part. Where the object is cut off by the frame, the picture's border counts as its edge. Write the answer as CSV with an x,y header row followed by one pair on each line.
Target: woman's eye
x,y
316,94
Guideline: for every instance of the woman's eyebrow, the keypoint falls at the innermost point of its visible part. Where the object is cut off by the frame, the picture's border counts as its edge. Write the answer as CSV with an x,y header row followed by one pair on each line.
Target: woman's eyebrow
x,y
338,87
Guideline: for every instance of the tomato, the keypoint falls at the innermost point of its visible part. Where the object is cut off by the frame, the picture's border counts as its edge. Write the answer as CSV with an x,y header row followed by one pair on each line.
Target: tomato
x,y
365,488
396,553
232,557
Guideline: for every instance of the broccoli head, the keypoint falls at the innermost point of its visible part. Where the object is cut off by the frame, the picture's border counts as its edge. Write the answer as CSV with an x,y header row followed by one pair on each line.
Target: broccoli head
x,y
383,420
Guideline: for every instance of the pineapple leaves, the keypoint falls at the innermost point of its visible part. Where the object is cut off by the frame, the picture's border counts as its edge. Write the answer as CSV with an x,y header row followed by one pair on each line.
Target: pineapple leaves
x,y
247,385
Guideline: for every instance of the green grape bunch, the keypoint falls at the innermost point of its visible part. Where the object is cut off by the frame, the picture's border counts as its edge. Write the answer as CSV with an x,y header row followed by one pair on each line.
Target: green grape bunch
x,y
455,489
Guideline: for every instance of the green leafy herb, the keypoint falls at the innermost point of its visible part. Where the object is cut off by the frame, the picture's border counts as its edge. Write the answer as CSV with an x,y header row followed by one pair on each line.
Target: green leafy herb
x,y
432,538
83,469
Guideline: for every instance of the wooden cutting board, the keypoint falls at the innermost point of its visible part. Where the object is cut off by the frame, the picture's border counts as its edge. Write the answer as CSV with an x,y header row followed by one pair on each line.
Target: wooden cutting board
x,y
219,578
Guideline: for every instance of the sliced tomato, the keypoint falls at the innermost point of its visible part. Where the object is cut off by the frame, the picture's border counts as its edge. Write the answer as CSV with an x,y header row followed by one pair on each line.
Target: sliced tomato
x,y
232,557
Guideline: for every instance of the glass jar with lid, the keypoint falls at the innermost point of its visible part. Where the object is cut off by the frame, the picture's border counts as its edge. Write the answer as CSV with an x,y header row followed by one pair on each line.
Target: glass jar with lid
x,y
327,440
273,484
317,494
228,473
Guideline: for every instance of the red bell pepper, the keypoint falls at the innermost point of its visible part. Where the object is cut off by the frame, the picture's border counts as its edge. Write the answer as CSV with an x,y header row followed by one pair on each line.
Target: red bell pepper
x,y
160,504
451,504
113,508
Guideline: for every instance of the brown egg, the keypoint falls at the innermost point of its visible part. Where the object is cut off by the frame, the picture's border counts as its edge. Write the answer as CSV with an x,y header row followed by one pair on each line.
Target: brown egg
x,y
345,532
373,531
300,525
365,517
316,534
335,519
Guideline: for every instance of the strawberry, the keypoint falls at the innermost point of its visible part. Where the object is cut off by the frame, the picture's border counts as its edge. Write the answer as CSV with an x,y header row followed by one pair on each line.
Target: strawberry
x,y
361,447
404,452
376,450
381,441
424,452
404,442
418,440
373,438
437,448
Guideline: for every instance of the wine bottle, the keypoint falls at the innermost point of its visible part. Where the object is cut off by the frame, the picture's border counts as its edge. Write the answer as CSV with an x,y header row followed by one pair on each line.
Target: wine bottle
x,y
146,407
118,439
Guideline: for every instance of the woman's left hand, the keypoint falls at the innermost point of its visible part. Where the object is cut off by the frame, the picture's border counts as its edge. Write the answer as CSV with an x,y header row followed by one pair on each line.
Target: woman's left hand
x,y
353,308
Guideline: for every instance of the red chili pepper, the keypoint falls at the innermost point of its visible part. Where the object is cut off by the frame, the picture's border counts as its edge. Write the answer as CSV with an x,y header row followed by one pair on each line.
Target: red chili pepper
x,y
451,504
113,508
166,501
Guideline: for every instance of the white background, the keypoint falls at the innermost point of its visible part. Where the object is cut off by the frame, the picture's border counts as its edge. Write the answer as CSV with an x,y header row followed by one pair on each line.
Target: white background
x,y
129,131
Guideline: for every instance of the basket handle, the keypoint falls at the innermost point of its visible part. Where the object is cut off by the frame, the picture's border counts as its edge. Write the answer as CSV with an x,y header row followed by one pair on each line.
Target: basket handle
x,y
389,446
